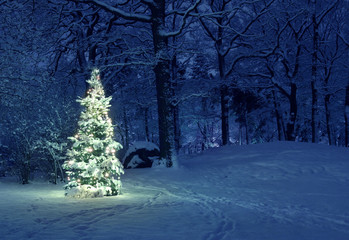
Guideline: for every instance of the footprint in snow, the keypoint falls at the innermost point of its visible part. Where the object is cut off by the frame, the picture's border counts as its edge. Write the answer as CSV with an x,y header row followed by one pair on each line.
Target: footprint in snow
x,y
81,227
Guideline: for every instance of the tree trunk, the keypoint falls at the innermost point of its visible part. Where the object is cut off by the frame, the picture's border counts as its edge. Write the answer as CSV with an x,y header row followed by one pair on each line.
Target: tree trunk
x,y
278,117
146,124
127,138
84,46
314,93
204,133
246,129
176,126
293,113
224,97
204,129
224,114
328,126
240,134
25,168
163,84
175,107
314,113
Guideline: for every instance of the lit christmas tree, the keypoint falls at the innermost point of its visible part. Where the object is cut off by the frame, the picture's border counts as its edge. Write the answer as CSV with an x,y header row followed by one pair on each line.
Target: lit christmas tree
x,y
92,167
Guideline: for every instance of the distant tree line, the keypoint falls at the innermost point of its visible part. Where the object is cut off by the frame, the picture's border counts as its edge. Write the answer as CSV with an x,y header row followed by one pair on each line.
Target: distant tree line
x,y
185,74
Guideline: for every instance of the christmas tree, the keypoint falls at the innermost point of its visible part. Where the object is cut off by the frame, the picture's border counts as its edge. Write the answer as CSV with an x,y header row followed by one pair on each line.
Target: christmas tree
x,y
92,167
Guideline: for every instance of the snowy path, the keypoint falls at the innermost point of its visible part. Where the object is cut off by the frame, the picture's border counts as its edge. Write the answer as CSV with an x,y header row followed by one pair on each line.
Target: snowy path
x,y
268,191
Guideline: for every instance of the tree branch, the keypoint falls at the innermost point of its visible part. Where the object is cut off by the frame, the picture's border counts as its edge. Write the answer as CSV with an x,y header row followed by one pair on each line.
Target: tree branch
x,y
117,11
184,21
326,11
150,3
344,40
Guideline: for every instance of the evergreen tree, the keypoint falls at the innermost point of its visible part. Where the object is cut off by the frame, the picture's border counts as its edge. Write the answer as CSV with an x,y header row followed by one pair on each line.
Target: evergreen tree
x,y
92,167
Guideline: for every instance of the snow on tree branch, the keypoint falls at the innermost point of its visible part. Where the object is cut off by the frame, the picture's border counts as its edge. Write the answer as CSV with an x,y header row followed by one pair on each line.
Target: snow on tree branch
x,y
118,12
184,21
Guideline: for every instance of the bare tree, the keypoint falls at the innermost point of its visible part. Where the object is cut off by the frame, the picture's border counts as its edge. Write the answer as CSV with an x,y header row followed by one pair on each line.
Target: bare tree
x,y
153,12
316,20
222,24
344,35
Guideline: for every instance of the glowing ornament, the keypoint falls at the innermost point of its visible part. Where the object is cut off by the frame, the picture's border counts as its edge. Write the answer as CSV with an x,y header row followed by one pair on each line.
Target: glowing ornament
x,y
89,149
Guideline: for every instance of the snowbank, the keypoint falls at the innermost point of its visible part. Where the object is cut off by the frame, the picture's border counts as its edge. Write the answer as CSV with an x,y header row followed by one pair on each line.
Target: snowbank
x,y
282,191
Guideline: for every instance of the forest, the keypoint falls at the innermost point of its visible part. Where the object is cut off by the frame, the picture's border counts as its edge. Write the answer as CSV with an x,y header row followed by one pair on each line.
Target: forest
x,y
186,75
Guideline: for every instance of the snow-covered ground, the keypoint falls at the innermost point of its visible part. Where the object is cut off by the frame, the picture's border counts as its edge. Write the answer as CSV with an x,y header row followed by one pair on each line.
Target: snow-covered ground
x,y
268,191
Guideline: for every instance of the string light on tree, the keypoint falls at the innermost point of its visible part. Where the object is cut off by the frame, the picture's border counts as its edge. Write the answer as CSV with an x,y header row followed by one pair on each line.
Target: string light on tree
x,y
89,149
92,167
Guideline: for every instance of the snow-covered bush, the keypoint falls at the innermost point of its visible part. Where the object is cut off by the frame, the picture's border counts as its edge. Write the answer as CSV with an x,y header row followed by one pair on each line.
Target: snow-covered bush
x,y
23,156
141,155
36,138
